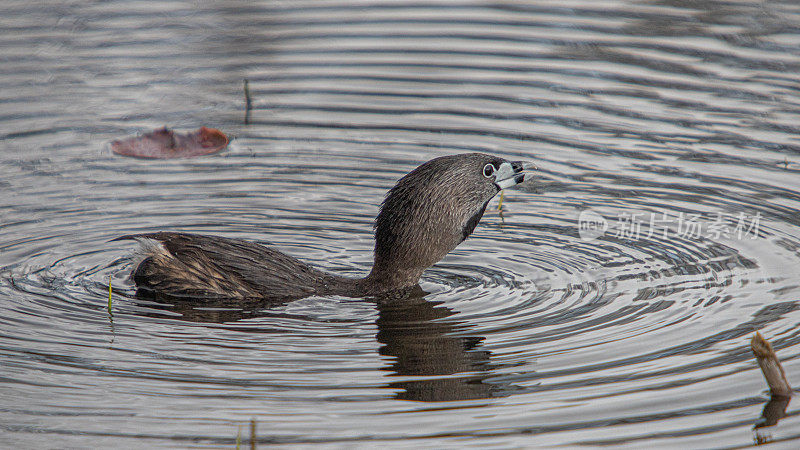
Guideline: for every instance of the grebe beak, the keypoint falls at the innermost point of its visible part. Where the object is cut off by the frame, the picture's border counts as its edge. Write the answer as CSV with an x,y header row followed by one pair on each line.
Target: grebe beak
x,y
513,173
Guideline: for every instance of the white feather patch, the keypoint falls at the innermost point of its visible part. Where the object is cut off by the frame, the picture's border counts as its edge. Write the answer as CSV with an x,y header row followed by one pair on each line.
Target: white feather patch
x,y
148,247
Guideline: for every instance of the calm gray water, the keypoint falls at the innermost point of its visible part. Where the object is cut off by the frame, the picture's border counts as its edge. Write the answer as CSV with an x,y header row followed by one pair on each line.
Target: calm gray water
x,y
674,123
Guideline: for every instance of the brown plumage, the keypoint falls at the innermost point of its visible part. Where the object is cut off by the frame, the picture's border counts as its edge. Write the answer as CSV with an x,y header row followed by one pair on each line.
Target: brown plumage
x,y
424,216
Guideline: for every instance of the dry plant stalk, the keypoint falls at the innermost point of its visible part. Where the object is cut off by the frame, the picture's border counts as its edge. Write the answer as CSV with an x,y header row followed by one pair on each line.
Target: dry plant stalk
x,y
770,366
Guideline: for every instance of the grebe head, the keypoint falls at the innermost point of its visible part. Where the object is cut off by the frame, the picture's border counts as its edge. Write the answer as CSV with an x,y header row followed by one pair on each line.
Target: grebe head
x,y
434,208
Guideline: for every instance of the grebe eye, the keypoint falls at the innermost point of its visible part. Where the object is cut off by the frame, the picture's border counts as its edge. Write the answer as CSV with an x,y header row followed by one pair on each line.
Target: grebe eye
x,y
488,170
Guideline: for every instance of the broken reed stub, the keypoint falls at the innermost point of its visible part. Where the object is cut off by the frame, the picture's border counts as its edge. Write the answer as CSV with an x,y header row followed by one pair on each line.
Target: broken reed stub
x,y
770,366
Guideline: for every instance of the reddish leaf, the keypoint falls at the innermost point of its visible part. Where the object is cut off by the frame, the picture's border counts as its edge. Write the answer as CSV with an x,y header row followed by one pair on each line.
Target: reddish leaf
x,y
165,143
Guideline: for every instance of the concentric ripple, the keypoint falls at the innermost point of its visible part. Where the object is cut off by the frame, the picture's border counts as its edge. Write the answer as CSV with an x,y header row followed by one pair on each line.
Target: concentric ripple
x,y
608,303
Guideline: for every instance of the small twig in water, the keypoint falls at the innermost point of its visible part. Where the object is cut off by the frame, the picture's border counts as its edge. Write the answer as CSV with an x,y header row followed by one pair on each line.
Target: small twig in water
x,y
238,436
770,366
109,296
248,102
253,434
500,203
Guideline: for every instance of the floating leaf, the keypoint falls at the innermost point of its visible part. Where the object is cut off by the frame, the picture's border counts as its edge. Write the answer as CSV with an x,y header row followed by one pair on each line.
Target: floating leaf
x,y
165,144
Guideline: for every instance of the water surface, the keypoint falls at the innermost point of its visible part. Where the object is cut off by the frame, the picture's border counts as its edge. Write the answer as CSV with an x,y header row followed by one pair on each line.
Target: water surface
x,y
678,118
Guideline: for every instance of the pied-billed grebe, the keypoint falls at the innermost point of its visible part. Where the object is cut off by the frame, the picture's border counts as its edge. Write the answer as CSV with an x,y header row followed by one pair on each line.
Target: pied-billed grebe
x,y
424,216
